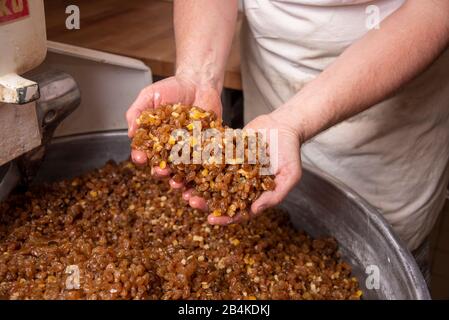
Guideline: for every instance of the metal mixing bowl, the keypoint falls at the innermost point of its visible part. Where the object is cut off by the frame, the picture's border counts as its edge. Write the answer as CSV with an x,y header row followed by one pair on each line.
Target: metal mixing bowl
x,y
319,205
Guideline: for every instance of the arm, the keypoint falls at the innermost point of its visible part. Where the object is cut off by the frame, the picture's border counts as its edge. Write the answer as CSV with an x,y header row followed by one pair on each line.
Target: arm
x,y
373,68
203,32
370,70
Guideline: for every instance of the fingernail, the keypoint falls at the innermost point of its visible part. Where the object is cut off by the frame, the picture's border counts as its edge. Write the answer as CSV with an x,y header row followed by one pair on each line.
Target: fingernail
x,y
156,99
261,208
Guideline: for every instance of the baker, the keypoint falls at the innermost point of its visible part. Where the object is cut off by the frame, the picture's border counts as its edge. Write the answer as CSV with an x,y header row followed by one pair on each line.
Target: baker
x,y
356,88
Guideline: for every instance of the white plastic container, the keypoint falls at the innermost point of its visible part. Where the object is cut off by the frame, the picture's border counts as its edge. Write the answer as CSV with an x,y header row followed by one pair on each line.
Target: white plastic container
x,y
22,47
22,36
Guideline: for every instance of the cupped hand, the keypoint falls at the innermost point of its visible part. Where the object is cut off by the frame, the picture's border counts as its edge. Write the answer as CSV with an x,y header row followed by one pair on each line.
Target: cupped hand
x,y
287,171
177,89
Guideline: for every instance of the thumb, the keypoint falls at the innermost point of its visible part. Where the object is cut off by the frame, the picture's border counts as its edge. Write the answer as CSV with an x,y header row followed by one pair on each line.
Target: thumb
x,y
285,181
147,99
209,99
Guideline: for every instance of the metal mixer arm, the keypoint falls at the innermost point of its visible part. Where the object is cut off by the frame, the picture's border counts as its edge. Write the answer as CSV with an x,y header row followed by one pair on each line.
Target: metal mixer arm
x,y
59,96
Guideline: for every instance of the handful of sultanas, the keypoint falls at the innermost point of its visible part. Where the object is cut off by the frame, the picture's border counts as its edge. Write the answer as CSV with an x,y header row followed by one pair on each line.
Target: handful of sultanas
x,y
224,166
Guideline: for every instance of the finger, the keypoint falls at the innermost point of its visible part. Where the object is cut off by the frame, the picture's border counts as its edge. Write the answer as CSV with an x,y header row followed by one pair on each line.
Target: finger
x,y
147,99
175,185
226,220
221,221
210,100
186,195
138,157
198,203
142,102
161,173
284,183
267,200
157,99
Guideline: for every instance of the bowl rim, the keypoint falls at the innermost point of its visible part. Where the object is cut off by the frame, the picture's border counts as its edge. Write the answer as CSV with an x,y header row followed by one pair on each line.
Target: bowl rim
x,y
384,227
377,220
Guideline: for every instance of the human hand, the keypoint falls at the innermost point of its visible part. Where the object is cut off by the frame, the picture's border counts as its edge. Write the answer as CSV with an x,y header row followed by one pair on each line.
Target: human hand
x,y
177,89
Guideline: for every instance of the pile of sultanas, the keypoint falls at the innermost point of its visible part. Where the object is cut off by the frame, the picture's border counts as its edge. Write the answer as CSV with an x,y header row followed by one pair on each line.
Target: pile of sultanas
x,y
116,233
229,187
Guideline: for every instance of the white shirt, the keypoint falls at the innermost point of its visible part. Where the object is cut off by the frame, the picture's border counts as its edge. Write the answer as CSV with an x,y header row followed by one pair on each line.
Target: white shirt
x,y
395,154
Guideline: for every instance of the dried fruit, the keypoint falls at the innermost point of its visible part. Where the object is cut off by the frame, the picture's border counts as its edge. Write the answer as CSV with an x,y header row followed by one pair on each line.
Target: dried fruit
x,y
229,187
143,243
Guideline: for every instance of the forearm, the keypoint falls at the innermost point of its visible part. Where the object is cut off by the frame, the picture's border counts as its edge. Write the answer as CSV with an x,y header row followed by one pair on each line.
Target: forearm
x,y
373,68
203,33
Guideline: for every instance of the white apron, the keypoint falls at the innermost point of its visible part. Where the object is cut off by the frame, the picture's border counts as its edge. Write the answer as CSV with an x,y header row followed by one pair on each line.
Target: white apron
x,y
395,154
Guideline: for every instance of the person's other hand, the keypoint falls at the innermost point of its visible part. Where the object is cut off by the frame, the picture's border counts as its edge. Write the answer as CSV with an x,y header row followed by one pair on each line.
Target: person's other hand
x,y
288,171
177,89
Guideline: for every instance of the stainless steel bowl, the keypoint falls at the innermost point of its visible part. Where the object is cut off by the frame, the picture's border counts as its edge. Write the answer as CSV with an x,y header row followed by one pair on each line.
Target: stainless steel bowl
x,y
319,205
